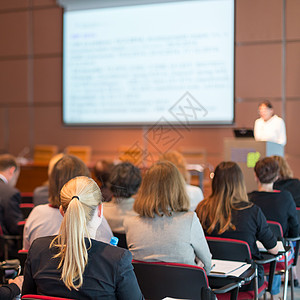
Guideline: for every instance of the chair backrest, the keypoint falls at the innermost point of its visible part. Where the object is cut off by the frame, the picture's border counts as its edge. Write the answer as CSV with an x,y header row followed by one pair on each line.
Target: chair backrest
x,y
158,280
26,209
82,152
43,153
276,229
41,297
229,249
122,239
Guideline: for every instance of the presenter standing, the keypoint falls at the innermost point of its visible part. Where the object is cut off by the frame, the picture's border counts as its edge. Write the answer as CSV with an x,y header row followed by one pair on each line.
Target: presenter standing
x,y
269,127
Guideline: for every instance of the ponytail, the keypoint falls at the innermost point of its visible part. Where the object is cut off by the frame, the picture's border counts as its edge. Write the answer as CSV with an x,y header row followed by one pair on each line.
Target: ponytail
x,y
79,205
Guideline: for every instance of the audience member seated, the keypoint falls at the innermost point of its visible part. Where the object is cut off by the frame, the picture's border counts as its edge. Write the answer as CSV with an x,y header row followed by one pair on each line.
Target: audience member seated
x,y
165,230
227,213
124,181
12,290
276,205
194,192
45,219
102,170
74,264
286,181
10,199
41,193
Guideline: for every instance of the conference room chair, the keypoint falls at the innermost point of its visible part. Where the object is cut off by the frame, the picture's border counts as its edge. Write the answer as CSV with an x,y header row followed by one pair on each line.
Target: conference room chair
x,y
42,297
285,263
22,255
26,209
26,197
237,250
158,280
5,242
122,239
82,152
43,153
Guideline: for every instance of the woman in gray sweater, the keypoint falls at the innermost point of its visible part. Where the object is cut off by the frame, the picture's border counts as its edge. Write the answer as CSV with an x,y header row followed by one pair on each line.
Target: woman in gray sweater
x,y
164,229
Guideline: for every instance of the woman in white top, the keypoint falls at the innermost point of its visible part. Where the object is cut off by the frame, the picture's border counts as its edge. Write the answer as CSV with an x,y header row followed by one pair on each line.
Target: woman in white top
x,y
269,127
194,192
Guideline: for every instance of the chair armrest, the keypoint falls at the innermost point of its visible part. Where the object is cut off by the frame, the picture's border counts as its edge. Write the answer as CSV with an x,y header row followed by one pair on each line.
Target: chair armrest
x,y
227,288
267,258
292,239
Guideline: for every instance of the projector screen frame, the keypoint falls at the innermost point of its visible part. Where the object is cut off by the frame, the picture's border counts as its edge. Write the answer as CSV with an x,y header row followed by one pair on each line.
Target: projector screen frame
x,y
146,125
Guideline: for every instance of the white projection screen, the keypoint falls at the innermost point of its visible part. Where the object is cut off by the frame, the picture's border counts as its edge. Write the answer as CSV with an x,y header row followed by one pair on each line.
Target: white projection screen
x,y
135,63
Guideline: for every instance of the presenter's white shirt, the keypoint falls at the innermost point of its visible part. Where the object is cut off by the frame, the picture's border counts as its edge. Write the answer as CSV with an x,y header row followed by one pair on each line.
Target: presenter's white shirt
x,y
272,130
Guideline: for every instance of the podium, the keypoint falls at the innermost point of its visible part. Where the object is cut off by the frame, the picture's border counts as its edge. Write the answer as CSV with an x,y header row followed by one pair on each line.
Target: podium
x,y
246,152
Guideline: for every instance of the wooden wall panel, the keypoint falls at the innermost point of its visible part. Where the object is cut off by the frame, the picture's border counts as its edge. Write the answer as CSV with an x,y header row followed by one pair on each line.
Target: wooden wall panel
x,y
293,69
246,113
258,20
258,71
47,31
15,4
48,80
19,129
13,81
49,130
292,125
40,3
292,19
15,40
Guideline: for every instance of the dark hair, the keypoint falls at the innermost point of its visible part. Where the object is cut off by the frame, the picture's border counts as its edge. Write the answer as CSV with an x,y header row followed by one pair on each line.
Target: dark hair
x,y
7,161
66,168
125,180
102,170
267,170
267,103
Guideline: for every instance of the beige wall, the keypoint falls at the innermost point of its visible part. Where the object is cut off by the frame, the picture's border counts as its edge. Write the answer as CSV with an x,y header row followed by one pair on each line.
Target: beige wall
x,y
30,80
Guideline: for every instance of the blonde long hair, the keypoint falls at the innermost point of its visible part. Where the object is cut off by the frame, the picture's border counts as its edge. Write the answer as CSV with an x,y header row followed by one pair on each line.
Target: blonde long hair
x,y
162,192
228,192
80,198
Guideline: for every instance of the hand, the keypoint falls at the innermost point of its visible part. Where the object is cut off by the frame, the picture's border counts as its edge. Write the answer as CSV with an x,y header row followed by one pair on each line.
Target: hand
x,y
18,281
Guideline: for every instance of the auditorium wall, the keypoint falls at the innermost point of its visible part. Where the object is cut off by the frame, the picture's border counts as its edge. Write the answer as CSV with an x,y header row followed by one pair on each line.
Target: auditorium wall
x,y
267,66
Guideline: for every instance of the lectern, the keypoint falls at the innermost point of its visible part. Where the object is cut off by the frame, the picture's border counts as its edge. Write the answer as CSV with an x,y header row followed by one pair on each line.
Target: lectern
x,y
246,152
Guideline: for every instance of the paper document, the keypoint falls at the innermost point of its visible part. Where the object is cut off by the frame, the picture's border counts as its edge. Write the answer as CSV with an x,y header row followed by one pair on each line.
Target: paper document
x,y
225,268
261,247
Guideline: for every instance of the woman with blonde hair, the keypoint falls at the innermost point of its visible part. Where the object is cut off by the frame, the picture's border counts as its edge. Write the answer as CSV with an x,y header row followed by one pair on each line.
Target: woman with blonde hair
x,y
73,264
194,192
228,213
286,181
164,229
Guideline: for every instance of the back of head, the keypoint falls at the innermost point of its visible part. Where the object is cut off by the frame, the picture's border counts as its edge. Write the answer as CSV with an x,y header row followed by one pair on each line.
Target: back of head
x,y
125,180
66,168
266,170
178,160
7,161
53,161
102,170
285,171
80,198
162,191
228,192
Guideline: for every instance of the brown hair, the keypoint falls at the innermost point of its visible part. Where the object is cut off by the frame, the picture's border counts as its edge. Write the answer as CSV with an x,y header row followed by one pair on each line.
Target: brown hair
x,y
266,103
285,171
228,192
7,161
162,191
178,160
66,168
266,170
